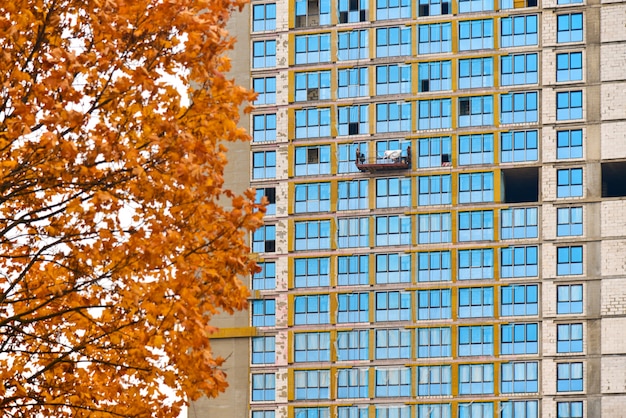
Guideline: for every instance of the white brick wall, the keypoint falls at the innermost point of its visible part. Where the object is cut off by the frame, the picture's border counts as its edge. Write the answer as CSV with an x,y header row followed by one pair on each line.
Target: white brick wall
x,y
613,223
613,23
613,101
613,378
613,298
613,257
613,62
613,341
613,139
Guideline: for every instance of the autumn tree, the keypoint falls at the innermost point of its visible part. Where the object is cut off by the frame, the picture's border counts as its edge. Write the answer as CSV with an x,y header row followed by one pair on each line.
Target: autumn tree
x,y
118,239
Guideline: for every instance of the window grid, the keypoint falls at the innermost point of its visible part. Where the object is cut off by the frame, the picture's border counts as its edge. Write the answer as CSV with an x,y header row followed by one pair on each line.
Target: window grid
x,y
435,76
311,272
264,165
517,223
393,9
263,313
569,105
352,383
475,302
310,86
476,73
476,225
434,228
434,266
434,152
569,377
569,66
393,117
569,144
519,409
264,17
434,304
569,338
475,264
476,379
434,342
312,197
434,190
311,346
264,54
569,27
519,107
475,149
393,306
352,195
312,49
352,270
264,239
352,45
266,278
263,387
352,232
519,339
573,409
475,34
312,123
312,235
264,127
392,382
519,377
311,310
519,300
393,79
393,268
393,230
352,345
434,114
569,182
266,90
475,111
569,299
569,260
434,38
476,341
518,31
519,146
393,42
434,380
353,82
352,308
518,69
569,221
263,350
312,384
393,192
476,187
393,343
519,262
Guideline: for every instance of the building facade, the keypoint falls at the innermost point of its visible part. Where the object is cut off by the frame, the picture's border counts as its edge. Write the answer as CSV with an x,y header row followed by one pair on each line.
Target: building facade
x,y
446,228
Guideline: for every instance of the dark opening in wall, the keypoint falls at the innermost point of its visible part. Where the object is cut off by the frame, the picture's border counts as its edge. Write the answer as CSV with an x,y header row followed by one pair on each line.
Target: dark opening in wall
x,y
520,185
614,179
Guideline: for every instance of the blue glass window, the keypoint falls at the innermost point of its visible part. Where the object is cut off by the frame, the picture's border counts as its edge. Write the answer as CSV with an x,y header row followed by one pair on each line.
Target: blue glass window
x,y
263,414
263,313
434,152
264,239
352,307
393,343
475,73
311,309
569,377
393,411
352,345
569,221
434,380
311,384
266,278
569,260
476,149
353,82
434,410
392,9
312,122
569,299
354,411
434,266
434,342
435,38
476,379
311,346
393,192
475,34
263,17
520,409
475,111
393,230
475,410
518,146
312,160
393,306
519,300
266,89
519,339
569,144
434,114
569,27
393,268
475,264
352,195
352,270
393,79
434,7
312,235
518,31
352,45
435,76
518,69
352,383
475,302
569,66
434,228
353,11
311,272
434,190
310,86
569,105
312,412
518,262
519,377
393,42
312,13
312,197
347,156
519,107
470,6
392,382
569,338
353,120
434,304
313,49
476,341
393,117
263,387
476,187
572,409
264,54
569,182
518,223
352,232
263,350
476,225
264,165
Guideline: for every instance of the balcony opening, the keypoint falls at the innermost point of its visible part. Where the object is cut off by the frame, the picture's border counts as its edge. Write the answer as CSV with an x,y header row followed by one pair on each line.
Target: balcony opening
x,y
520,185
614,179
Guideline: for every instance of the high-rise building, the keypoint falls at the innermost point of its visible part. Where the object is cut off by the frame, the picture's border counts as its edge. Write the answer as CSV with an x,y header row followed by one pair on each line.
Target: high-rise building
x,y
446,228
